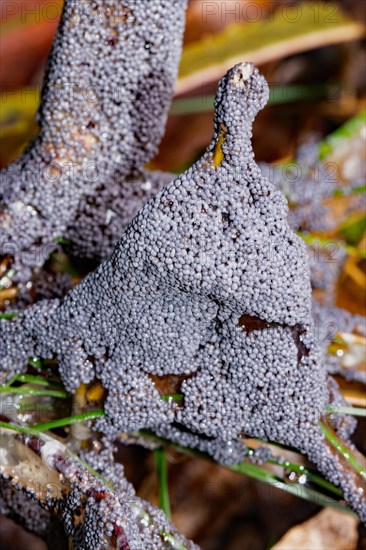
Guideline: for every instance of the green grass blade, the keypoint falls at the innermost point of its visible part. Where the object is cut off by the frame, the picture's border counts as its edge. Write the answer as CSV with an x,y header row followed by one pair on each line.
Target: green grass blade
x,y
17,428
36,363
344,451
353,411
61,422
162,474
297,489
278,95
10,315
172,397
262,474
35,391
342,135
34,379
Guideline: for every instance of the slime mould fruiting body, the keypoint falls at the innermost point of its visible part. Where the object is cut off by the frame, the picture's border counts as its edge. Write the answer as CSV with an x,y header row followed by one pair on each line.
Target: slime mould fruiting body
x,y
309,183
110,63
332,321
95,513
104,216
207,294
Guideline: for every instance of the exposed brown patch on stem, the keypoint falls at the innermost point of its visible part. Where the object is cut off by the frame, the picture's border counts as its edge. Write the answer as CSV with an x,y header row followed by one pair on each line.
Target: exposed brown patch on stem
x,y
169,383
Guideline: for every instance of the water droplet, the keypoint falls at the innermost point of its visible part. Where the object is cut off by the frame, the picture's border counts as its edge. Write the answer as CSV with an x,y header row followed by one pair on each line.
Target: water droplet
x,y
110,214
290,476
146,185
145,522
295,477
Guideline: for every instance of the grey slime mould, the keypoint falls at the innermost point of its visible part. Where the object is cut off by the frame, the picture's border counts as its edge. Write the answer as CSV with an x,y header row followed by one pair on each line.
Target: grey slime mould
x,y
210,286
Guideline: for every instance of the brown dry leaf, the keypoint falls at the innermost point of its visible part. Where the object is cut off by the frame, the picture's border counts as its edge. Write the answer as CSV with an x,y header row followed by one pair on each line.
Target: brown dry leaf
x,y
27,31
289,30
205,17
328,530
